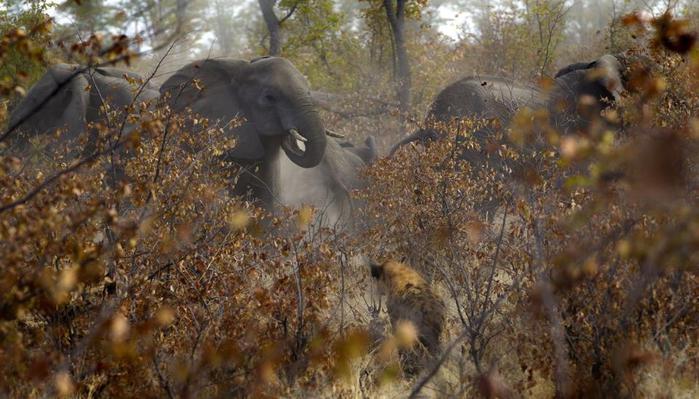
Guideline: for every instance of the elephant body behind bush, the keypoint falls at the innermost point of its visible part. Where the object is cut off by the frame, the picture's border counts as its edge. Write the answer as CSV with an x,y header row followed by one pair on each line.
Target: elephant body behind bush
x,y
328,186
71,97
576,96
266,105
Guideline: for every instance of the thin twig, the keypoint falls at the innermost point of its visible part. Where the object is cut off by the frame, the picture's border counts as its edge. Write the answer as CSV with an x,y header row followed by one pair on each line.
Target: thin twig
x,y
435,368
51,179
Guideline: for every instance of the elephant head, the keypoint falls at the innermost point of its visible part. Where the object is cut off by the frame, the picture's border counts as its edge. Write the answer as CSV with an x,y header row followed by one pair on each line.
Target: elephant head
x,y
582,90
270,96
603,76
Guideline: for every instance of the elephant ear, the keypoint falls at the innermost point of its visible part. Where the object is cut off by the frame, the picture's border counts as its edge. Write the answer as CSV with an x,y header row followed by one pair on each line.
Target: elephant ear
x,y
58,100
607,71
574,67
209,88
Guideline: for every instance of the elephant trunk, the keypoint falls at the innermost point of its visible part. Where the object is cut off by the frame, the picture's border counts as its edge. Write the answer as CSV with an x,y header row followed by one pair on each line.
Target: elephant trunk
x,y
423,135
306,131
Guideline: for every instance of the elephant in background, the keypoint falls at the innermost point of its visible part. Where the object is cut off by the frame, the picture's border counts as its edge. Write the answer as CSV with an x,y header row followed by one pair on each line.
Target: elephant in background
x,y
368,152
281,141
578,94
69,98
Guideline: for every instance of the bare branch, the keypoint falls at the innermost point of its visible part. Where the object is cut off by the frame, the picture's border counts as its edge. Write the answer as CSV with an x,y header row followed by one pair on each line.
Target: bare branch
x,y
290,13
52,179
435,368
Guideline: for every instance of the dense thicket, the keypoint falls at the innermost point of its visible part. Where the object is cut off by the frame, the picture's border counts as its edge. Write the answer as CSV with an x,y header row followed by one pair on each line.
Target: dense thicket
x,y
584,283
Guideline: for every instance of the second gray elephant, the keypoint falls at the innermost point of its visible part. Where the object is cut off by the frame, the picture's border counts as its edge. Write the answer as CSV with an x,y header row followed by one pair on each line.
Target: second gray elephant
x,y
71,97
578,94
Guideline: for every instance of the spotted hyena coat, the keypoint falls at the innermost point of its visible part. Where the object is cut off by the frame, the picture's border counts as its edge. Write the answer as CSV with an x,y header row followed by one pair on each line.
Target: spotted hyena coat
x,y
410,298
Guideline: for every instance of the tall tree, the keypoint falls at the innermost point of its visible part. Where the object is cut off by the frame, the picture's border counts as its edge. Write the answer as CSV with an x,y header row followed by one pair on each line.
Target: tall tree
x,y
274,23
223,26
395,13
159,21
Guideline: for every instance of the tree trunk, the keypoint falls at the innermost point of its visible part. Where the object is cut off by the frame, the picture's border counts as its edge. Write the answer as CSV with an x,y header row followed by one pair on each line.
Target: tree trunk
x,y
396,18
180,14
273,26
223,28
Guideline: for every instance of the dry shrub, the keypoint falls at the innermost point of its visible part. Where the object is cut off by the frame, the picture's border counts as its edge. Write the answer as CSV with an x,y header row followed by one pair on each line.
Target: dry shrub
x,y
586,275
568,263
138,274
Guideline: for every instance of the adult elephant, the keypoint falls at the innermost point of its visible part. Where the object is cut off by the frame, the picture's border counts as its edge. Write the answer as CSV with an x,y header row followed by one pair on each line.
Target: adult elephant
x,y
71,97
266,105
578,93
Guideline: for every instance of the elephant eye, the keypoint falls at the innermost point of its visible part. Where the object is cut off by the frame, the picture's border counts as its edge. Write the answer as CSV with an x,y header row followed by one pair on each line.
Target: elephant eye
x,y
267,100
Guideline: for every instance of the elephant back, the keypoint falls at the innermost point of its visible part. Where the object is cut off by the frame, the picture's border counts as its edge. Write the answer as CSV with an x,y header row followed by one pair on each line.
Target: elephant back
x,y
119,78
207,80
58,100
483,97
116,88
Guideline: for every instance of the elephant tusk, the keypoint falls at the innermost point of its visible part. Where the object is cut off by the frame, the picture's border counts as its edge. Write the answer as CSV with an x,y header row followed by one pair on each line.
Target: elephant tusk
x,y
334,134
295,134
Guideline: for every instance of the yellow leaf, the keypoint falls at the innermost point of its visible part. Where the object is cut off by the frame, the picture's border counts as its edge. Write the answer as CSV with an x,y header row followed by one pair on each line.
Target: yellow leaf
x,y
239,219
68,279
64,384
119,328
694,127
623,247
304,217
406,334
165,316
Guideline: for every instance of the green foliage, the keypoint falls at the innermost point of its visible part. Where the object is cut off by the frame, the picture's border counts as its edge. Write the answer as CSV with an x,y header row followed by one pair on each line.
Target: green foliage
x,y
90,16
520,39
315,25
374,16
24,55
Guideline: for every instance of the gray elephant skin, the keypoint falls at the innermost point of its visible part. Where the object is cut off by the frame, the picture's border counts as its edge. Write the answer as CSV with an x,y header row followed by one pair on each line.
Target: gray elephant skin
x,y
578,94
70,97
266,105
328,186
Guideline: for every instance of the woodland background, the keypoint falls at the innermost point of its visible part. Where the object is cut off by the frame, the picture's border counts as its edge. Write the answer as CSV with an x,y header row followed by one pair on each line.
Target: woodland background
x,y
165,286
